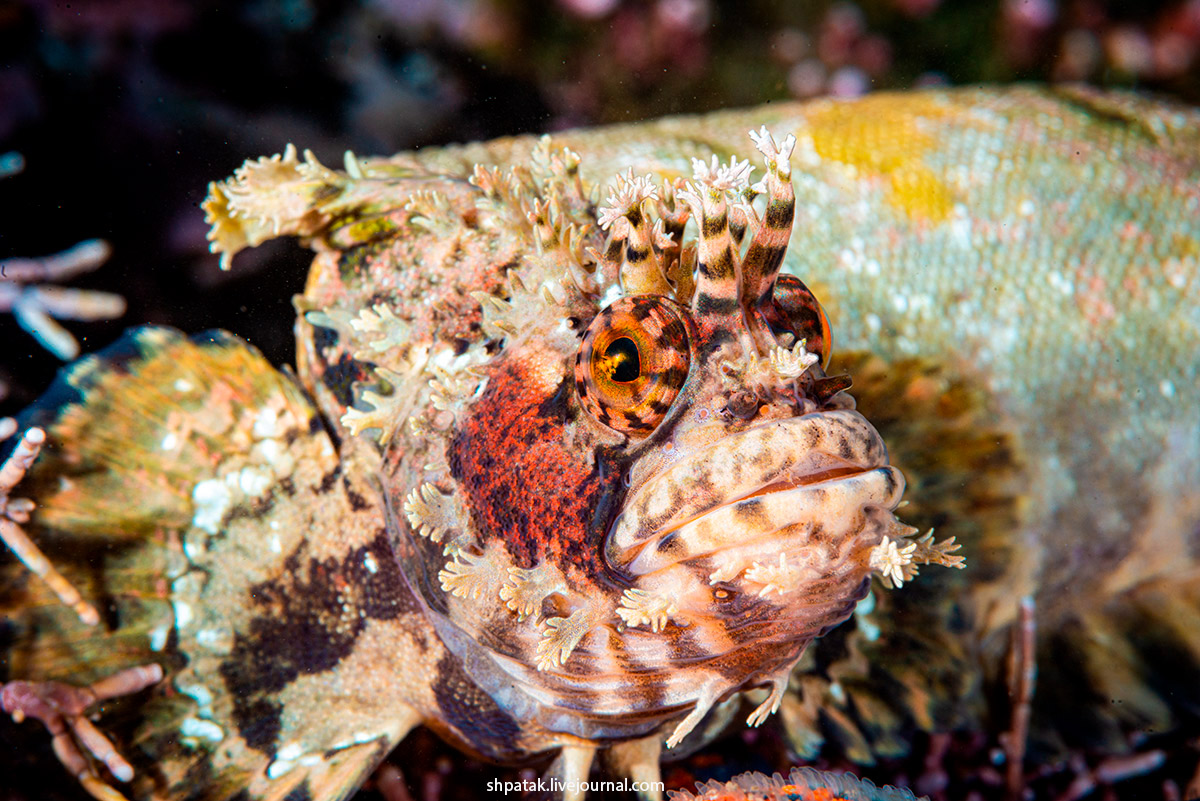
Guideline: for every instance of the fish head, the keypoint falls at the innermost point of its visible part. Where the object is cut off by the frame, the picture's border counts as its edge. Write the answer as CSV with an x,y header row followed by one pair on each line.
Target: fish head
x,y
660,496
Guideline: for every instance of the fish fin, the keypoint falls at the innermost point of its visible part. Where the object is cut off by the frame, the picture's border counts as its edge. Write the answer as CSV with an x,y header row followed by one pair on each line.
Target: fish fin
x,y
1117,650
191,492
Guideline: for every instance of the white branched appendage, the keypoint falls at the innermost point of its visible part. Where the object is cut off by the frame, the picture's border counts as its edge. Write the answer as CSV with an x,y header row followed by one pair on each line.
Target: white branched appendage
x,y
718,177
27,290
560,637
269,197
777,156
897,560
790,364
560,166
779,577
641,253
383,328
15,511
386,413
642,608
779,685
771,376
431,210
626,198
473,576
889,559
527,588
432,513
497,322
452,392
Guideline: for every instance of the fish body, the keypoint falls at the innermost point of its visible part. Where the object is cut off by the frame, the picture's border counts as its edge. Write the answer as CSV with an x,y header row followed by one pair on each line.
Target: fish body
x,y
561,471
1023,268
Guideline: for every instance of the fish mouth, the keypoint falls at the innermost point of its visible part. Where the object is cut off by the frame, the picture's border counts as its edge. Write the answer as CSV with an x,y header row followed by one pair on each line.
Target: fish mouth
x,y
776,487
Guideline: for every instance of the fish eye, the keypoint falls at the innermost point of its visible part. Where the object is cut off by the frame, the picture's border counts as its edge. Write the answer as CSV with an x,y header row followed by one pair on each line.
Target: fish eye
x,y
621,362
632,363
794,309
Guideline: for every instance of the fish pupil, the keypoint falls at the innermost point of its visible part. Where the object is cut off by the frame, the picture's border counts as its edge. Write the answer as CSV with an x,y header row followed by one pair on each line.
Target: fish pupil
x,y
621,361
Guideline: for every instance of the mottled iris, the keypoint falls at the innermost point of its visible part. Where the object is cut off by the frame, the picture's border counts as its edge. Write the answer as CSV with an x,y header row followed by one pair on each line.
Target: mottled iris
x,y
632,362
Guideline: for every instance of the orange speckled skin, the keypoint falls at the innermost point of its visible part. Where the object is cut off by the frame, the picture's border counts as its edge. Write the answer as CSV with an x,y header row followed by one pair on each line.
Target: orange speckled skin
x,y
525,483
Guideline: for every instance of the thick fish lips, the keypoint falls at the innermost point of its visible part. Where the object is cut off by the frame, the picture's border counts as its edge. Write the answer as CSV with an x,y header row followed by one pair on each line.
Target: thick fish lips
x,y
761,492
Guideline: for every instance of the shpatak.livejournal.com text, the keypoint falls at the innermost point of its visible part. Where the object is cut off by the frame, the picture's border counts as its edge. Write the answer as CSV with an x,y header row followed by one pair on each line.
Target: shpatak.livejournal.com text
x,y
557,786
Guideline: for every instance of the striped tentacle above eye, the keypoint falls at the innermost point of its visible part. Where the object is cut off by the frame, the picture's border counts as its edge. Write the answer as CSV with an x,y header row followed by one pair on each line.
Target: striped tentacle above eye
x,y
631,239
764,256
678,256
718,280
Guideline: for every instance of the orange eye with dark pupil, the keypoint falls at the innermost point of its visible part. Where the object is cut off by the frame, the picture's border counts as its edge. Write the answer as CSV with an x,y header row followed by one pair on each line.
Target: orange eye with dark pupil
x,y
632,362
620,362
795,309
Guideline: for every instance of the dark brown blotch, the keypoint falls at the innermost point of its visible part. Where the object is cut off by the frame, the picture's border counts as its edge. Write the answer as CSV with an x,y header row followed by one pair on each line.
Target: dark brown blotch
x,y
713,227
306,621
779,214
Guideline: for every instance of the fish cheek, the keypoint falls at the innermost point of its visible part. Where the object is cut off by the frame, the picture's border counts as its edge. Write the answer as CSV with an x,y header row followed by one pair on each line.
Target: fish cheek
x,y
526,479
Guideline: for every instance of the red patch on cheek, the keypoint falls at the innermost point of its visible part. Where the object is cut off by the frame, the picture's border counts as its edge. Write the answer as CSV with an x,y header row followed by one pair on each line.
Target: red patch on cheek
x,y
523,482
